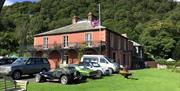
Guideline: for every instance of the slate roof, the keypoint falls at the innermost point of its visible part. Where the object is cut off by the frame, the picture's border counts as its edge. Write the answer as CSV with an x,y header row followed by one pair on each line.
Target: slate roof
x,y
84,25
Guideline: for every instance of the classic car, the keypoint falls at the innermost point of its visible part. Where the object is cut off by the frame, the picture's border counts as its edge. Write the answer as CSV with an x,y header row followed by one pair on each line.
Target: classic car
x,y
64,75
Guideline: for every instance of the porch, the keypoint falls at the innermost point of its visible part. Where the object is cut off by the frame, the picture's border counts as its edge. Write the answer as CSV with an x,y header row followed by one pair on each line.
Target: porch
x,y
67,54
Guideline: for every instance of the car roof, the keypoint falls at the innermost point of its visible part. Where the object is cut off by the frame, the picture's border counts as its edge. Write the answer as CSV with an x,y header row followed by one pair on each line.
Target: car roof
x,y
93,55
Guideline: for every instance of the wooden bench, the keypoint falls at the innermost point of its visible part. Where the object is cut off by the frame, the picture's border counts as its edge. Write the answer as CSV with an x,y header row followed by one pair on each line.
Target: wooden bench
x,y
125,74
8,84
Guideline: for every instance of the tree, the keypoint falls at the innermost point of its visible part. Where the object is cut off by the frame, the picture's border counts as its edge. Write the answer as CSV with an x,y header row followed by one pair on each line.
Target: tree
x,y
157,40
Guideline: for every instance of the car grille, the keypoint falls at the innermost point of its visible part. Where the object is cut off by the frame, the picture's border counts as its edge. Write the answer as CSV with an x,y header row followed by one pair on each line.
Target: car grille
x,y
2,70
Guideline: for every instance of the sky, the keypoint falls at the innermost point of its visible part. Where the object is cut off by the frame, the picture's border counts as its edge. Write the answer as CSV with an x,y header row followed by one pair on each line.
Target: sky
x,y
10,2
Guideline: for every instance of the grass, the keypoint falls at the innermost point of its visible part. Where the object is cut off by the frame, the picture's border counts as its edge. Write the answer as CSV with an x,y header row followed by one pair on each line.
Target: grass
x,y
142,80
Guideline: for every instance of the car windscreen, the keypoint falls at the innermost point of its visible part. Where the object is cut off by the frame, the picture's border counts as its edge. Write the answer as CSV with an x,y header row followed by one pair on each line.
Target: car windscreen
x,y
19,61
110,60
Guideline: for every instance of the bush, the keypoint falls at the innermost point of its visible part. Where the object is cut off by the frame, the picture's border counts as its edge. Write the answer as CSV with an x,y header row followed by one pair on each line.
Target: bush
x,y
170,65
164,62
177,63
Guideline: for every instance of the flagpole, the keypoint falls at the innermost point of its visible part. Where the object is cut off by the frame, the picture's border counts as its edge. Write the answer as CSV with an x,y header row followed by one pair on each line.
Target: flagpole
x,y
99,14
100,28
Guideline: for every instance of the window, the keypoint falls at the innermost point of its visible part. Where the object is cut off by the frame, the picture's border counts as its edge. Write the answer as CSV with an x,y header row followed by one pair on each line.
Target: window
x,y
111,40
90,59
114,55
125,45
119,43
88,39
45,42
39,61
31,61
65,41
137,49
124,59
45,61
102,60
122,44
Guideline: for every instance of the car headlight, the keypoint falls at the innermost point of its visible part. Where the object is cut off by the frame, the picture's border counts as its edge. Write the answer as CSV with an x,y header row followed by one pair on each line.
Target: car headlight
x,y
8,69
45,75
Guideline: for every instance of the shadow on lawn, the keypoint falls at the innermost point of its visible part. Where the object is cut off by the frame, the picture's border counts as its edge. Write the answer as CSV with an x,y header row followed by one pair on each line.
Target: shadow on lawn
x,y
132,78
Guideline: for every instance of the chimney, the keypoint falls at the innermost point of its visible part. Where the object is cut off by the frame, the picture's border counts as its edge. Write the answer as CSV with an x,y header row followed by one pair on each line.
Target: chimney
x,y
90,16
125,35
74,19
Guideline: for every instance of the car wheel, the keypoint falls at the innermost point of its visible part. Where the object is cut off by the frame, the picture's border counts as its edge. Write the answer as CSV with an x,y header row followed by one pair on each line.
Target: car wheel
x,y
16,75
64,79
38,78
99,74
110,71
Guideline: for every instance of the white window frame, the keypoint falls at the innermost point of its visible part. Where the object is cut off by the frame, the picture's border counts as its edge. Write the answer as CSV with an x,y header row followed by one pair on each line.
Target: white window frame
x,y
65,41
88,39
45,42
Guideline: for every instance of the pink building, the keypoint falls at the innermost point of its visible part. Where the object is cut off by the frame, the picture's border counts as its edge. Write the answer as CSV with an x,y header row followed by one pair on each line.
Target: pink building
x,y
66,44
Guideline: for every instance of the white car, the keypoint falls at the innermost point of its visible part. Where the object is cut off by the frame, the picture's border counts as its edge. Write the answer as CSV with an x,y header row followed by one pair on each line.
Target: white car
x,y
95,67
103,61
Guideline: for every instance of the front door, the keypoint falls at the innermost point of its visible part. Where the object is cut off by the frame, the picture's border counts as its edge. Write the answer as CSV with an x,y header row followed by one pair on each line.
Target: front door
x,y
65,59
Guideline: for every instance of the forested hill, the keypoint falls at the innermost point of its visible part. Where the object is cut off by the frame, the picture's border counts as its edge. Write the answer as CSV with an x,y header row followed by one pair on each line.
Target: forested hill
x,y
153,23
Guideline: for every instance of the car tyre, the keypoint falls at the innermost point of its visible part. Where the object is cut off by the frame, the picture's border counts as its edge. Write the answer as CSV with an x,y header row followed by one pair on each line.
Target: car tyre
x,y
64,79
99,74
16,75
110,71
38,78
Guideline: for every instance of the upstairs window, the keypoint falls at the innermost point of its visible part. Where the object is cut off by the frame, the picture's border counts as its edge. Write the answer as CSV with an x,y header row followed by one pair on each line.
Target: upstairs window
x,y
119,43
111,40
125,45
45,42
65,41
88,39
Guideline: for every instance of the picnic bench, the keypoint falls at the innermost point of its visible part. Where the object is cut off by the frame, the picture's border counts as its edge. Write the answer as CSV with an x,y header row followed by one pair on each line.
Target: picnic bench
x,y
125,73
8,84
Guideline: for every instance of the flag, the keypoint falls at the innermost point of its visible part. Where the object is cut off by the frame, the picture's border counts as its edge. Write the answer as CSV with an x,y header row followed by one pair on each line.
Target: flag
x,y
95,23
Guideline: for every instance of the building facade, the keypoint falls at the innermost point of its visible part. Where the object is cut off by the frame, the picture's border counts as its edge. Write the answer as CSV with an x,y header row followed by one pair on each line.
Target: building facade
x,y
67,44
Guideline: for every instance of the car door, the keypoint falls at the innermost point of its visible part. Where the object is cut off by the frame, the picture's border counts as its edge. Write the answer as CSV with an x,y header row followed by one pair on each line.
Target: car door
x,y
34,67
39,64
29,66
103,63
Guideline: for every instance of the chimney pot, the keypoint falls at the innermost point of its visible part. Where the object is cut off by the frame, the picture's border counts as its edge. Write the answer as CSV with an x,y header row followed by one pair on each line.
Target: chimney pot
x,y
90,16
74,19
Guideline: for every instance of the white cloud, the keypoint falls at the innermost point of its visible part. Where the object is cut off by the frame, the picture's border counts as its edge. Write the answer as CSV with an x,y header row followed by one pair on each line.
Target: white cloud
x,y
8,3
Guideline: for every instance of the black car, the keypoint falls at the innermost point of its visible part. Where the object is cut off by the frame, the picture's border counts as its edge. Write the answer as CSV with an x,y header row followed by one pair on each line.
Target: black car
x,y
5,61
64,75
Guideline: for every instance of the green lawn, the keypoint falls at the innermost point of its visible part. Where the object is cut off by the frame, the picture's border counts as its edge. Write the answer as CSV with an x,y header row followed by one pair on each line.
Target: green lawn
x,y
144,80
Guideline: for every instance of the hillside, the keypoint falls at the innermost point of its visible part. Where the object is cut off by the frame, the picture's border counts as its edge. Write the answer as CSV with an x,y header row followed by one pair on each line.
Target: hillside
x,y
153,23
